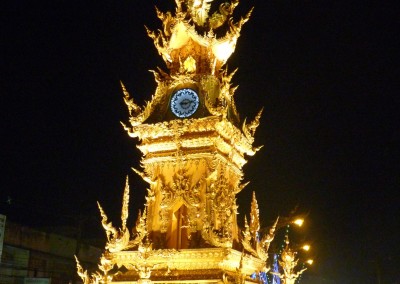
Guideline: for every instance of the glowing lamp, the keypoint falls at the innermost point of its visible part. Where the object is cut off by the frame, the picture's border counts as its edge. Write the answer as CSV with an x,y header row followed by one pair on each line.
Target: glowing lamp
x,y
299,222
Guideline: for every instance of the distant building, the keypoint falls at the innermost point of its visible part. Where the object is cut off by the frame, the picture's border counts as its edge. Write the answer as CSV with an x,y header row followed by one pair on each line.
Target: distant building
x,y
32,256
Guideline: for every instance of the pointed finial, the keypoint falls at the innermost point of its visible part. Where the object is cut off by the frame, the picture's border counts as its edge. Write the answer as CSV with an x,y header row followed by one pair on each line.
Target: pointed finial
x,y
143,176
254,217
133,108
125,204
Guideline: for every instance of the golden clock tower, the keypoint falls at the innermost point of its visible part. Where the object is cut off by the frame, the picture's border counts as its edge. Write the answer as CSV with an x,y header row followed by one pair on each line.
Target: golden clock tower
x,y
194,148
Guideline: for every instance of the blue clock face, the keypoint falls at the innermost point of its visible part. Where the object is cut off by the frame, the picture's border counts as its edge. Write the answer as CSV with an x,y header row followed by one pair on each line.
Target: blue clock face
x,y
184,103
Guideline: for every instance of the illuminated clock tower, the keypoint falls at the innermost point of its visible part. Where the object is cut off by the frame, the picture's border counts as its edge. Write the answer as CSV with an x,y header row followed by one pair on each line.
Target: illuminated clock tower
x,y
194,147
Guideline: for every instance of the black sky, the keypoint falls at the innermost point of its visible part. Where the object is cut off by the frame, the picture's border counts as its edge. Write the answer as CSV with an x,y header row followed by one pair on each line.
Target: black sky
x,y
325,72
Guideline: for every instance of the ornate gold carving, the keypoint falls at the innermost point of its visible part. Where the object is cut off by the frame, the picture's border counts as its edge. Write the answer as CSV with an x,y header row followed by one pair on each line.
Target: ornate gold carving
x,y
189,66
247,238
269,237
250,129
142,266
105,266
94,278
254,218
180,190
144,261
125,205
240,187
160,42
224,12
133,108
140,229
115,238
189,260
84,275
144,176
198,10
219,225
159,75
180,28
224,135
240,275
251,238
119,239
193,166
288,263
227,91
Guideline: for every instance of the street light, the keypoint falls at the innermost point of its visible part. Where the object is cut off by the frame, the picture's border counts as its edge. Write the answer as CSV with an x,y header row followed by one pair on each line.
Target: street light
x,y
287,221
299,222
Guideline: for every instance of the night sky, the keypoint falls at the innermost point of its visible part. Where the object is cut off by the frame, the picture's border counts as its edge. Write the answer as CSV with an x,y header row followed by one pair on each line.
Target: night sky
x,y
325,72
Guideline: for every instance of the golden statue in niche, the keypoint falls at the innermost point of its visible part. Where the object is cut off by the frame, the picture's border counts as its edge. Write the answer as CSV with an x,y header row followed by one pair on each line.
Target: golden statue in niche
x,y
194,148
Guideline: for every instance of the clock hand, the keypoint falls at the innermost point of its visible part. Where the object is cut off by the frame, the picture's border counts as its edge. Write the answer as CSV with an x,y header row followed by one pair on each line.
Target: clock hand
x,y
186,103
